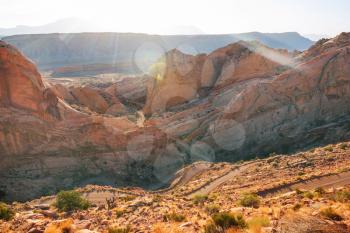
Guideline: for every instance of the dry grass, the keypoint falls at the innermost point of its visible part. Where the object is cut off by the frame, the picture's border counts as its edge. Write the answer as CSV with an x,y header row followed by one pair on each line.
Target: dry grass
x,y
167,228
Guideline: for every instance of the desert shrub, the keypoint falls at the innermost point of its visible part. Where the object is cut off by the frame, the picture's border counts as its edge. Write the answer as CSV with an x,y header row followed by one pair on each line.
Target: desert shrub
x,y
301,173
227,220
161,228
128,198
256,223
296,207
119,212
343,146
211,228
157,198
200,199
329,148
299,192
212,209
119,230
174,217
5,212
329,213
343,196
262,221
249,200
309,195
71,200
320,191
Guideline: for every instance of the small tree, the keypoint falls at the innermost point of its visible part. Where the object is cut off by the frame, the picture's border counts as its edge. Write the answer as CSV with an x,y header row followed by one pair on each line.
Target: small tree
x,y
70,201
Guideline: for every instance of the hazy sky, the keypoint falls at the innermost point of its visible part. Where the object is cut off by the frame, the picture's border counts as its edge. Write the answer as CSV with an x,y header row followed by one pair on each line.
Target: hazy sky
x,y
207,16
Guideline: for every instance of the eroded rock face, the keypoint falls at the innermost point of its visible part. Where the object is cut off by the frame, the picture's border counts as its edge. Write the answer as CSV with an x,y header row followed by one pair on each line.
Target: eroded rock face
x,y
46,145
291,103
21,85
176,84
188,77
95,100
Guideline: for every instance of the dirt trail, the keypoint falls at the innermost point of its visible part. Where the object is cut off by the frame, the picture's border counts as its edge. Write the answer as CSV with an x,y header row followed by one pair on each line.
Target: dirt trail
x,y
187,174
327,181
216,183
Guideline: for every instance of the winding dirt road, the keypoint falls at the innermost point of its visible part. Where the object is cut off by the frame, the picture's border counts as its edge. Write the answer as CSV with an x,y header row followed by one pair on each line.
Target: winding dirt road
x,y
208,188
328,181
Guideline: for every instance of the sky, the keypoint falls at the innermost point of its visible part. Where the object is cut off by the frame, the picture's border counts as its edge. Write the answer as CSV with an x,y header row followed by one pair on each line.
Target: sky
x,y
326,17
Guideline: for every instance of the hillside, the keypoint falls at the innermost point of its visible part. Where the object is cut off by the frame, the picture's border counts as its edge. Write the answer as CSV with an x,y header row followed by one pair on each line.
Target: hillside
x,y
284,204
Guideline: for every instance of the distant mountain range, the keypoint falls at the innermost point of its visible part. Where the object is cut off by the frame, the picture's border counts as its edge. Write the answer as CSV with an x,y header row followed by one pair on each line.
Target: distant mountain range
x,y
55,50
67,25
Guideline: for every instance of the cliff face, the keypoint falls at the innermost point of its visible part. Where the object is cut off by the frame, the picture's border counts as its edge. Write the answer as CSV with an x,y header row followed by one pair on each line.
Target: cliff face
x,y
21,85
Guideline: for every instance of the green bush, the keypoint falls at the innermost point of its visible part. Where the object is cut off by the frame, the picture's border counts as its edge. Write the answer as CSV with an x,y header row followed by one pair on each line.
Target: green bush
x,y
119,230
5,212
249,200
174,217
200,199
226,220
329,213
71,200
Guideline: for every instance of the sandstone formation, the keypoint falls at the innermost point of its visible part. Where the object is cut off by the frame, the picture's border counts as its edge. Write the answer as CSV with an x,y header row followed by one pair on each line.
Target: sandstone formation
x,y
187,77
21,85
293,102
239,102
46,145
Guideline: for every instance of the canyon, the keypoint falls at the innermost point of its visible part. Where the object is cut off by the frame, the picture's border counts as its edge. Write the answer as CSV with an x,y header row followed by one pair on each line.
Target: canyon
x,y
239,102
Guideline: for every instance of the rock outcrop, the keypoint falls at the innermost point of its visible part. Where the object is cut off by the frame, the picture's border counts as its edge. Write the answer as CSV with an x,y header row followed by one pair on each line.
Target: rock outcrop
x,y
21,85
187,77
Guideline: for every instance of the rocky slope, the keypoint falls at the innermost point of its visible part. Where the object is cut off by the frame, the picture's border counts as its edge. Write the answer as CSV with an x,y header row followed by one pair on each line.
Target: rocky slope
x,y
185,208
237,102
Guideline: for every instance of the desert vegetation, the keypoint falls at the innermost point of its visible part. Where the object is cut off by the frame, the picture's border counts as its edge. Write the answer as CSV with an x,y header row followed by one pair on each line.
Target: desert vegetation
x,y
70,201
